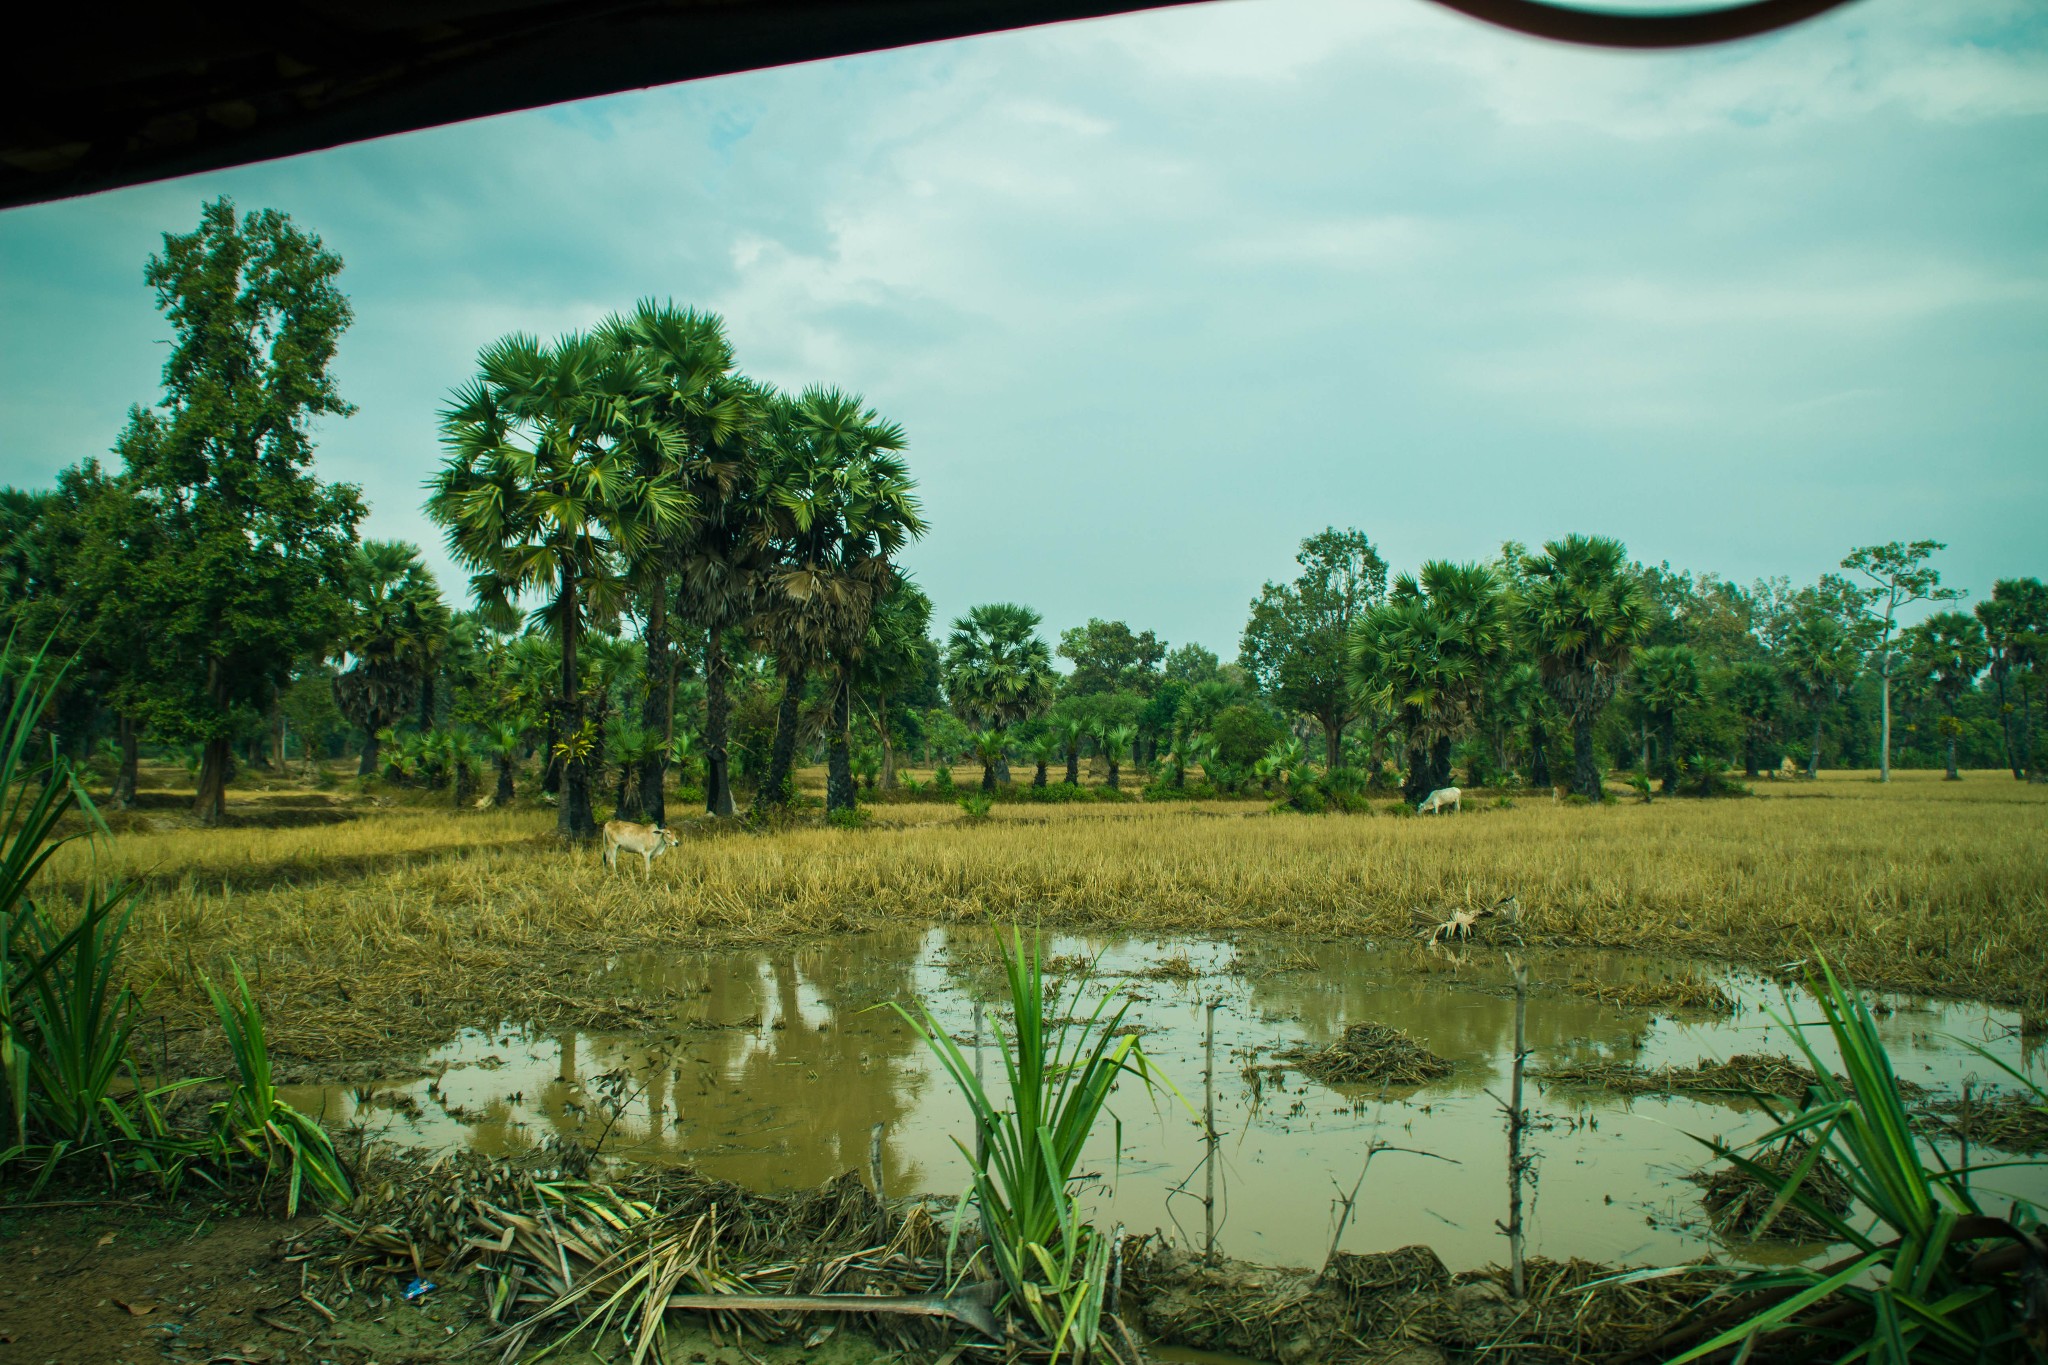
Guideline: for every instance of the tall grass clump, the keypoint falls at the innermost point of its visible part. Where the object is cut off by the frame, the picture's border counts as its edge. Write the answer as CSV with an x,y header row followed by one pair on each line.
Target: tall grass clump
x,y
1052,1266
70,1087
1931,1277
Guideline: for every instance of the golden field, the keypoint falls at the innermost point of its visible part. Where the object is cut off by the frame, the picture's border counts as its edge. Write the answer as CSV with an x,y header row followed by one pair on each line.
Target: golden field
x,y
374,928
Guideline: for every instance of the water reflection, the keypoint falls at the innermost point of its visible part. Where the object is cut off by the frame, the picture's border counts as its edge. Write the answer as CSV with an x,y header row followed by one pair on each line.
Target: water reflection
x,y
775,1065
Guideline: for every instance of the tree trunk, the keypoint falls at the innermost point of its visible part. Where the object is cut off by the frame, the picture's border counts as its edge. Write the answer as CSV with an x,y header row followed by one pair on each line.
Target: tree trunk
x,y
626,801
1415,784
1439,764
654,709
2023,738
1539,756
1953,775
1333,742
1813,755
427,701
988,776
774,789
1114,779
504,794
1038,778
123,795
1073,767
1667,740
573,820
210,804
881,718
839,789
1884,705
717,721
1003,770
367,766
465,787
1585,761
550,765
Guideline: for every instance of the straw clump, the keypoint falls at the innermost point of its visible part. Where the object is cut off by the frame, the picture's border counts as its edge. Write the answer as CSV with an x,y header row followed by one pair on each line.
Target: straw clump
x,y
1745,1073
2009,1122
1738,1204
1400,1306
1369,1053
1675,993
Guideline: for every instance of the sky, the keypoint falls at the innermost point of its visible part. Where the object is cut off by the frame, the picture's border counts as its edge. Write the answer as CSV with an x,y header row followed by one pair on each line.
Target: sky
x,y
1157,296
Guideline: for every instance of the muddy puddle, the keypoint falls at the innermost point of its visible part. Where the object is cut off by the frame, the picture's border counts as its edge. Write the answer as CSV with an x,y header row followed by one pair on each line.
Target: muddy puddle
x,y
777,1064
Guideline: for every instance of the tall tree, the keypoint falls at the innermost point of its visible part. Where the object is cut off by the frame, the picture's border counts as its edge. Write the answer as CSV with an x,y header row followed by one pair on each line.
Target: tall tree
x,y
1949,646
1899,575
2015,621
546,491
1667,678
1295,643
1820,662
1582,612
250,550
896,661
395,628
843,505
1425,655
1752,691
1108,657
998,672
701,413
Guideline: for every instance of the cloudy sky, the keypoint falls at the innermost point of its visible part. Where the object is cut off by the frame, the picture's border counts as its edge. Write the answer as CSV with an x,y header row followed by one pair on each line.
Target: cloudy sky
x,y
1156,296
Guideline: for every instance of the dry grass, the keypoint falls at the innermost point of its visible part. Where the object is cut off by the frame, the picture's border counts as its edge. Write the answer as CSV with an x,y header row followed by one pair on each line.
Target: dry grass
x,y
398,923
1676,993
1746,1073
1371,1053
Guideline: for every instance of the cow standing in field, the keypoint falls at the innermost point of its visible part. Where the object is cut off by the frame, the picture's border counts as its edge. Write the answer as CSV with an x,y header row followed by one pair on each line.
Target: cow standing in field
x,y
649,841
1443,798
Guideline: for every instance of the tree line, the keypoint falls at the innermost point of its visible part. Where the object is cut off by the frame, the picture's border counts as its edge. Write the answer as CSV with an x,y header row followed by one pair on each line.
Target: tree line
x,y
681,577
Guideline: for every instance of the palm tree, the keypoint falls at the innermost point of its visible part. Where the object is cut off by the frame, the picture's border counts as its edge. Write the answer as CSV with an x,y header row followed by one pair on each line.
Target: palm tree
x,y
502,742
1820,663
1668,681
458,756
546,492
629,746
1115,741
991,746
703,413
1425,654
1072,733
396,628
893,661
1582,611
2015,620
841,504
997,672
1950,646
1045,748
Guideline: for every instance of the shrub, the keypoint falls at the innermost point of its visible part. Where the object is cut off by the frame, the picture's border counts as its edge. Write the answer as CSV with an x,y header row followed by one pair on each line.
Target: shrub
x,y
849,817
975,807
942,777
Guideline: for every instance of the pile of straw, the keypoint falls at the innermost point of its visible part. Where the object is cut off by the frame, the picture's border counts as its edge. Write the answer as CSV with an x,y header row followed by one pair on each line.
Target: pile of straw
x,y
1746,1073
1370,1053
1737,1203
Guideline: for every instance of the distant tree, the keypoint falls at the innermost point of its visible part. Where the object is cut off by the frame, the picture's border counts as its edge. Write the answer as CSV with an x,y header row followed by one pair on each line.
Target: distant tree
x,y
502,744
1752,690
998,673
1072,732
1045,748
394,632
1191,663
896,665
247,552
992,748
1899,575
1114,741
1294,645
1667,678
1820,662
1107,657
2015,621
1241,735
1425,655
1949,646
1582,612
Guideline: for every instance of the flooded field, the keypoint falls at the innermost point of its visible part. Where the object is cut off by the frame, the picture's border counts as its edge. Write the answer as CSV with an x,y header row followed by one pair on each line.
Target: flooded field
x,y
774,1067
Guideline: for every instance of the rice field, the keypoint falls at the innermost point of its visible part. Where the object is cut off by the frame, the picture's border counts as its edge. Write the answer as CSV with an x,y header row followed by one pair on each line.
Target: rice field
x,y
375,924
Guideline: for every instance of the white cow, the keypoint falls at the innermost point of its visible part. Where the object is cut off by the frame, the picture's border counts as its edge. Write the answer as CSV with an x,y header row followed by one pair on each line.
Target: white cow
x,y
1438,800
649,841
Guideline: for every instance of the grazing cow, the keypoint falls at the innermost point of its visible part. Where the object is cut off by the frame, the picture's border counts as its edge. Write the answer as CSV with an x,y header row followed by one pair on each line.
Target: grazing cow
x,y
1442,798
649,841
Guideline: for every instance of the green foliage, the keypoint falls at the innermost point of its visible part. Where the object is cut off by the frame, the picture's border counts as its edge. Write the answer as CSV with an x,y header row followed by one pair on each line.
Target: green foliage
x,y
998,673
850,817
975,807
1294,644
1108,657
252,1120
1581,612
1059,1075
1919,1284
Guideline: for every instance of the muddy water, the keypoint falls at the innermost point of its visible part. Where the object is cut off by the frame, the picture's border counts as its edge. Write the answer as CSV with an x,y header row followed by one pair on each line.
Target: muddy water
x,y
777,1064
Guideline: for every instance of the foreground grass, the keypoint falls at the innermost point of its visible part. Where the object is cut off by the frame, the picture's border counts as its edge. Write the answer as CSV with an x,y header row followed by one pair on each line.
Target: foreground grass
x,y
379,934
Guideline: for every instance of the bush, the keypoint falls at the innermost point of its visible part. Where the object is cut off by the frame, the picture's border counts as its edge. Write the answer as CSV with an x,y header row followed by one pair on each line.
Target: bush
x,y
850,817
975,807
942,777
1052,793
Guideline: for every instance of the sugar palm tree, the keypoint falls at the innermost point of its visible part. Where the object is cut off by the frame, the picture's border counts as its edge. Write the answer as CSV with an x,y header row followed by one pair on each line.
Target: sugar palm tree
x,y
502,742
546,492
2015,621
1582,611
1072,733
998,672
893,661
1045,749
1424,656
1115,741
396,627
1667,678
1752,690
704,413
1820,663
991,746
841,504
1950,647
